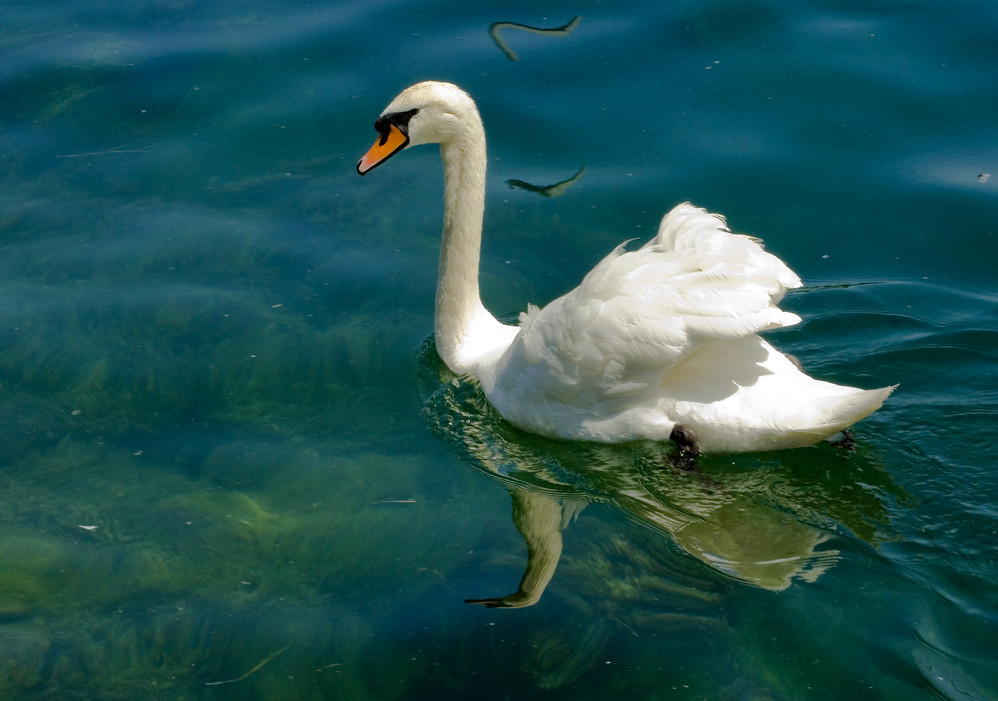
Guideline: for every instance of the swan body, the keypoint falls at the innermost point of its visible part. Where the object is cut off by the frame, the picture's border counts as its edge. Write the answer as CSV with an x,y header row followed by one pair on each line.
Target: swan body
x,y
661,336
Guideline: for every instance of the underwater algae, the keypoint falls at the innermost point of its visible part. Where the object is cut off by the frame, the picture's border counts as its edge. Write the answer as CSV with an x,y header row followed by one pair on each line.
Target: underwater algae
x,y
184,491
125,579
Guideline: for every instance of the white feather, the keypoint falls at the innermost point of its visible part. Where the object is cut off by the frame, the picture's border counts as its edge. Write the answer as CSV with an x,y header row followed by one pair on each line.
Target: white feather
x,y
662,335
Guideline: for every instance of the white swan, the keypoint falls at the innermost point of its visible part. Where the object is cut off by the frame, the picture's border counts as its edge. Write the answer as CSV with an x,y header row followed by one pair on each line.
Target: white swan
x,y
655,338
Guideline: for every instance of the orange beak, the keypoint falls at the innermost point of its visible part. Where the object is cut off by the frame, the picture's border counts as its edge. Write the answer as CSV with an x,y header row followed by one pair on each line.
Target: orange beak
x,y
390,143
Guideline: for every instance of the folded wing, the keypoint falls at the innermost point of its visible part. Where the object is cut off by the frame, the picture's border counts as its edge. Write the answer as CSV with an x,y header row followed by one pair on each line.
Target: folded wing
x,y
639,314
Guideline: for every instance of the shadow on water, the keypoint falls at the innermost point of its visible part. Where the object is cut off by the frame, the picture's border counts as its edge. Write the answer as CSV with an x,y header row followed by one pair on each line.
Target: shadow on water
x,y
496,29
553,190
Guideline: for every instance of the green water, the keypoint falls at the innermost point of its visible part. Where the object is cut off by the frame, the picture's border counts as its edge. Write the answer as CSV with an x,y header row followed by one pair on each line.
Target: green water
x,y
232,466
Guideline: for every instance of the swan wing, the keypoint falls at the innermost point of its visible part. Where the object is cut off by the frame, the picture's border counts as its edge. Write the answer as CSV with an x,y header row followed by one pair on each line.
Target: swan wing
x,y
640,314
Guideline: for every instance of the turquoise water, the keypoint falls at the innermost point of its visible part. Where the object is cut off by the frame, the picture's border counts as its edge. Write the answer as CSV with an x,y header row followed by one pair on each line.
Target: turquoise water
x,y
232,467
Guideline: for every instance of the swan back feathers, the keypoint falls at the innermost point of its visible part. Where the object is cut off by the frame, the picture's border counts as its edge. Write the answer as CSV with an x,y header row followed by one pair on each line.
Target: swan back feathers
x,y
638,314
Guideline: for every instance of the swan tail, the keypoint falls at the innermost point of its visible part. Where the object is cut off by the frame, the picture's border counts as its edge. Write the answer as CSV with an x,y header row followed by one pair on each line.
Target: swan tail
x,y
840,412
820,420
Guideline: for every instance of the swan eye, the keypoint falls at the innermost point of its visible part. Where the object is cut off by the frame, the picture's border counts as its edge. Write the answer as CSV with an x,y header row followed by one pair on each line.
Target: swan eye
x,y
399,119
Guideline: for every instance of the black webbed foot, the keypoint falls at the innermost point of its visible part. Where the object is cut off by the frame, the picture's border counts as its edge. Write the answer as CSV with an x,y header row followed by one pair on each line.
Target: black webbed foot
x,y
687,447
847,442
684,460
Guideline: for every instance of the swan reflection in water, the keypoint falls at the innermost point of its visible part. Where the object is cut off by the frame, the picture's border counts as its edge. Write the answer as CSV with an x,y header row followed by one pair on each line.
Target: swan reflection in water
x,y
766,525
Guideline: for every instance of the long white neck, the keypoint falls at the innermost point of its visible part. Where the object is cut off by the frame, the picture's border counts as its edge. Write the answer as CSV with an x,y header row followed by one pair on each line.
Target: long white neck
x,y
460,316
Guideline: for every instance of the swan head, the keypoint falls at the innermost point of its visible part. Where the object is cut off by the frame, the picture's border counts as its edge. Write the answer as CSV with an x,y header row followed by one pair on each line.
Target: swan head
x,y
425,113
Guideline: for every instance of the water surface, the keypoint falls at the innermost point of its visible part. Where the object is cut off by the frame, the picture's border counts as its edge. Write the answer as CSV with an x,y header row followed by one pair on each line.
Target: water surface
x,y
232,465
